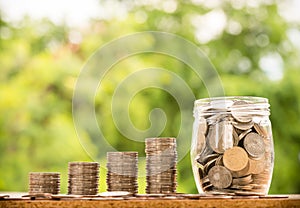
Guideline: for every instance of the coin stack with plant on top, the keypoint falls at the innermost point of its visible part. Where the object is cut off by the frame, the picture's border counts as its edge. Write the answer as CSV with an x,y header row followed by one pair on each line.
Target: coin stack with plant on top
x,y
83,178
122,171
233,148
161,159
44,182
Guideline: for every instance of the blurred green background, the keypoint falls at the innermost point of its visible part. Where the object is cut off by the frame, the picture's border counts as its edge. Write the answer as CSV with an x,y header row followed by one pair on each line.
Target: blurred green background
x,y
254,45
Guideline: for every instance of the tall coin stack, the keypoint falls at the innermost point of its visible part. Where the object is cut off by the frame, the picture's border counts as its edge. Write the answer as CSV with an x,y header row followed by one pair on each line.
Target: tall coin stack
x,y
122,171
83,178
45,182
161,158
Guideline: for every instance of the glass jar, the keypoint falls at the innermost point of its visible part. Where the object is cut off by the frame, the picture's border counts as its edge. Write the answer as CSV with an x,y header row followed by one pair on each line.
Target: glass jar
x,y
232,146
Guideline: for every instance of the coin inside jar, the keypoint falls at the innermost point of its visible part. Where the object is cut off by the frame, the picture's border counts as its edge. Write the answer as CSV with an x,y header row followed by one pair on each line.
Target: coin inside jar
x,y
238,114
220,136
235,159
260,130
254,145
236,138
202,125
242,180
244,133
241,173
220,177
243,126
257,166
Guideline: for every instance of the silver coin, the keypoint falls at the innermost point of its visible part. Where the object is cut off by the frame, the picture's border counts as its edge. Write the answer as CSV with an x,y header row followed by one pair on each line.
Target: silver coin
x,y
202,128
254,145
236,138
220,177
209,165
260,130
83,163
220,136
46,174
239,112
243,126
244,133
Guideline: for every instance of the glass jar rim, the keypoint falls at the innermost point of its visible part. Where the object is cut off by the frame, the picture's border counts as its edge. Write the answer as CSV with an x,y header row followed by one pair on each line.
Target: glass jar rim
x,y
253,99
249,105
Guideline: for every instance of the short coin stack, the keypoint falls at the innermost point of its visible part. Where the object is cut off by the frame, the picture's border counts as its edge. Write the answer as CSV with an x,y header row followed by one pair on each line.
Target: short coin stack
x,y
83,178
161,159
44,182
122,171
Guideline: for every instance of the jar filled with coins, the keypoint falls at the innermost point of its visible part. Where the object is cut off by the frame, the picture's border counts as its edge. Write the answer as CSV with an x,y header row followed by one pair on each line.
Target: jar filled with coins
x,y
232,146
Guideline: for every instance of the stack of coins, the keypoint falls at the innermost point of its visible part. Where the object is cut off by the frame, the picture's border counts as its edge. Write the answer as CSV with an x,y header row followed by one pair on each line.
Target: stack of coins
x,y
122,171
45,182
238,154
161,159
83,178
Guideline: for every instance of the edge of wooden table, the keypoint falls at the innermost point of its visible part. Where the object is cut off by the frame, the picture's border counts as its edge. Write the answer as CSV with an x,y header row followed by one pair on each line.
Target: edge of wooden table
x,y
293,201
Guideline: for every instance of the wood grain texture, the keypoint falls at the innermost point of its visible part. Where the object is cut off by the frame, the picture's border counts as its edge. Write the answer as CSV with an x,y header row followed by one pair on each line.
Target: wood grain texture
x,y
291,202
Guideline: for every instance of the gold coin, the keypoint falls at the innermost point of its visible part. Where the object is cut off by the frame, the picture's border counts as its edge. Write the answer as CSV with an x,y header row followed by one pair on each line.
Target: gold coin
x,y
241,173
235,159
220,177
257,166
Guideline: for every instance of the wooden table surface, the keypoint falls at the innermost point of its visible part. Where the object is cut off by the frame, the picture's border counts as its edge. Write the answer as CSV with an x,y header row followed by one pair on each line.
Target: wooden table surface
x,y
282,201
